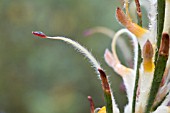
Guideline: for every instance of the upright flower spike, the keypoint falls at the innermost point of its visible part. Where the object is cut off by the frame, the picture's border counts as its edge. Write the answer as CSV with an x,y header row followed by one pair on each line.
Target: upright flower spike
x,y
146,76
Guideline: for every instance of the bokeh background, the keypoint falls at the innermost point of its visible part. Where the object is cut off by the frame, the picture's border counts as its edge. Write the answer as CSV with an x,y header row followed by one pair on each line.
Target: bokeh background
x,y
47,76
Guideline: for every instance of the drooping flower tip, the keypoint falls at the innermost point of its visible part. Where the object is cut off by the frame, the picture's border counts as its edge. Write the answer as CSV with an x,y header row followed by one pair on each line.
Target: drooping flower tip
x,y
87,32
164,47
39,34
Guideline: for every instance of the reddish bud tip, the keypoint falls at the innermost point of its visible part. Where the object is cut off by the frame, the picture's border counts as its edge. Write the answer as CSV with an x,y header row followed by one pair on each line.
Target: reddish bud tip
x,y
122,18
39,34
91,104
118,8
105,83
148,50
89,98
119,13
164,47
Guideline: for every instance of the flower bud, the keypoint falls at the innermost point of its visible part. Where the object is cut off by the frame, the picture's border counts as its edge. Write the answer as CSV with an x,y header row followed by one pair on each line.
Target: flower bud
x,y
147,57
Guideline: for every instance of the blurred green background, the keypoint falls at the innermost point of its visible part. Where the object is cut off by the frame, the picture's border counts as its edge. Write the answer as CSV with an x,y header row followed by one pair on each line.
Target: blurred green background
x,y
47,76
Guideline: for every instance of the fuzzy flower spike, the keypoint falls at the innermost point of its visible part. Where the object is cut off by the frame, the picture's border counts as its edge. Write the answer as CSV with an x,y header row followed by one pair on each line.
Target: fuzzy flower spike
x,y
148,82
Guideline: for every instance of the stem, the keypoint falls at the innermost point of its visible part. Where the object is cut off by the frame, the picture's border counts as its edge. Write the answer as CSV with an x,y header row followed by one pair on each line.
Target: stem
x,y
159,70
160,24
108,100
106,90
137,79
